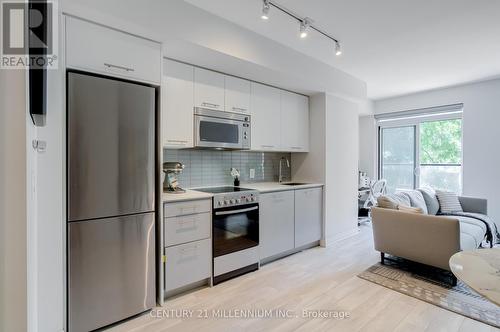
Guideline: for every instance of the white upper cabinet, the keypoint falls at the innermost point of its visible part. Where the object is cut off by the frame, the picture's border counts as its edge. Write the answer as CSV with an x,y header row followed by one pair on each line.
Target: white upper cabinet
x,y
266,118
294,122
177,105
237,95
208,89
95,48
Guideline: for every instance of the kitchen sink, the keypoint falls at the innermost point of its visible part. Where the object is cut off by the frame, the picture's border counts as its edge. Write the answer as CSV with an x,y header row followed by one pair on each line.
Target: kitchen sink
x,y
293,184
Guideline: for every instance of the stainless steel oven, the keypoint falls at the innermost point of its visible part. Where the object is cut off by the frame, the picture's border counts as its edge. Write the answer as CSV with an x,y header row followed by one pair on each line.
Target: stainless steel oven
x,y
235,231
224,130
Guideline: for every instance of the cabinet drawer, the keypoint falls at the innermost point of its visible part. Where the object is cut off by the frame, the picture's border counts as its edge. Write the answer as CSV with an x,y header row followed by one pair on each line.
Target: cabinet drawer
x,y
187,263
187,228
185,208
111,52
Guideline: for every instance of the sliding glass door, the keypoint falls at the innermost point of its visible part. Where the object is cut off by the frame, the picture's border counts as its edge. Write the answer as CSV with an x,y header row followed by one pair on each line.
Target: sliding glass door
x,y
398,157
421,151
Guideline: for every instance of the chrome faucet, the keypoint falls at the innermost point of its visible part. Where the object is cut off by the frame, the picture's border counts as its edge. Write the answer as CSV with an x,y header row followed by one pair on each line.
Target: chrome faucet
x,y
280,177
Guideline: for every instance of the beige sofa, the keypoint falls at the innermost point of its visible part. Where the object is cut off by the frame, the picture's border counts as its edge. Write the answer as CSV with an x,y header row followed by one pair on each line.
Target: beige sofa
x,y
428,239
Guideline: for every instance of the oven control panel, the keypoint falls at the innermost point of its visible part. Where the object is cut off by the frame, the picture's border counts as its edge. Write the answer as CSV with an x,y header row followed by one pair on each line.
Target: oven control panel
x,y
235,199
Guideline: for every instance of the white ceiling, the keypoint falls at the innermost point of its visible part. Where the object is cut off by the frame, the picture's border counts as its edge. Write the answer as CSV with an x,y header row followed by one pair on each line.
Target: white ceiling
x,y
396,46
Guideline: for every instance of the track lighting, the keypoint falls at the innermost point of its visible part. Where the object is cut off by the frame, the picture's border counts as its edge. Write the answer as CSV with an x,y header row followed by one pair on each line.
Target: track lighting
x,y
304,26
265,9
338,49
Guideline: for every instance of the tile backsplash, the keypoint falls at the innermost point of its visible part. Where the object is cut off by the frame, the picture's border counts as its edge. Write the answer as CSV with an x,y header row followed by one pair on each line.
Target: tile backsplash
x,y
212,167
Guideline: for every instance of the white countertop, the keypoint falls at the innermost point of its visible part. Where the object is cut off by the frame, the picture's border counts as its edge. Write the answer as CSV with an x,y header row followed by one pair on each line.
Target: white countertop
x,y
265,187
189,195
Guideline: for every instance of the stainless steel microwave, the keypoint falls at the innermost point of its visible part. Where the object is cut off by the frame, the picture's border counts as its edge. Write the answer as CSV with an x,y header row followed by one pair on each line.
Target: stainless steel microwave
x,y
221,130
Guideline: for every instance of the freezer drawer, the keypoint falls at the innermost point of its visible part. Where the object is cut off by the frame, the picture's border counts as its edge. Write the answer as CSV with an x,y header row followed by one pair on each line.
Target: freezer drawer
x,y
111,270
187,228
187,263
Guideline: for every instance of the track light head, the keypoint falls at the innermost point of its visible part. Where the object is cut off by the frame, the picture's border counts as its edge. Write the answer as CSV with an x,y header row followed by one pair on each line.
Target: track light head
x,y
265,9
338,49
304,26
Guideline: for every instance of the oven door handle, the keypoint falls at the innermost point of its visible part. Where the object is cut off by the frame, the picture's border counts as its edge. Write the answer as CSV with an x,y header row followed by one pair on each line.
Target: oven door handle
x,y
224,213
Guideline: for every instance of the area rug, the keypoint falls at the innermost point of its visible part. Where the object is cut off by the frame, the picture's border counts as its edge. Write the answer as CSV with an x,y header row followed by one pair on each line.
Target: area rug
x,y
399,275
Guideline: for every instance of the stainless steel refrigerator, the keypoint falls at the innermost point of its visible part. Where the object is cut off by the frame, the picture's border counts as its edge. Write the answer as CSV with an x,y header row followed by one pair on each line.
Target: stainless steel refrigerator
x,y
111,200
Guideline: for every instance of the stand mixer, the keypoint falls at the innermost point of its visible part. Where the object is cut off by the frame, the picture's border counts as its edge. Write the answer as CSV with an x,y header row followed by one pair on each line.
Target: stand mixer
x,y
171,171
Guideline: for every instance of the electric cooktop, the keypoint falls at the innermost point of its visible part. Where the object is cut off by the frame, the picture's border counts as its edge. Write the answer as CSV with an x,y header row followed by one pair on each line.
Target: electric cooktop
x,y
220,190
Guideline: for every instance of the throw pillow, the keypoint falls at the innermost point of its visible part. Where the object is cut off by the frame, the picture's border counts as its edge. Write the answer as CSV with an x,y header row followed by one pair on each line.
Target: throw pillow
x,y
385,202
448,202
430,199
417,200
392,201
410,209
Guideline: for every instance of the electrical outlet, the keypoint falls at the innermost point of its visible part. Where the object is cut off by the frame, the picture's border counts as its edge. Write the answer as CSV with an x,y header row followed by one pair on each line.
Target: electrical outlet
x,y
252,173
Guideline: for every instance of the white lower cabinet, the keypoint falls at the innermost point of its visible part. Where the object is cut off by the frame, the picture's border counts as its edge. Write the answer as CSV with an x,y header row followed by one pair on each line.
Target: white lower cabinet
x,y
289,220
187,208
276,223
187,243
187,263
188,228
308,216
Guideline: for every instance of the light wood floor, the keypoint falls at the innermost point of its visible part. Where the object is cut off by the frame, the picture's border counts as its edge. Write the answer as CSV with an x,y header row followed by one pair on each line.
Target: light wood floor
x,y
316,279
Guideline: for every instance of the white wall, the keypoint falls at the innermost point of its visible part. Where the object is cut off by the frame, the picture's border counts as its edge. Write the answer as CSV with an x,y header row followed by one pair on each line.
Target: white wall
x,y
342,151
311,166
481,134
333,160
367,145
13,201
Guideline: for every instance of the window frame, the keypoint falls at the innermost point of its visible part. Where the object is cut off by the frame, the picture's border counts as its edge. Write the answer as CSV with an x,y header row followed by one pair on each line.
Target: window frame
x,y
415,120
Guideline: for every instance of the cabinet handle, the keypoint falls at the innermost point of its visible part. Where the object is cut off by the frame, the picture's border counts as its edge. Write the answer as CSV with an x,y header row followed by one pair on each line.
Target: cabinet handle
x,y
239,109
183,222
188,209
210,105
176,141
127,69
296,148
189,249
267,146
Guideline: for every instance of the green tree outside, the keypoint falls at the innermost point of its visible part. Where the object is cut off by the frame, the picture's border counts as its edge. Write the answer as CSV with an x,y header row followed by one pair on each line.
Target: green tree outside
x,y
441,142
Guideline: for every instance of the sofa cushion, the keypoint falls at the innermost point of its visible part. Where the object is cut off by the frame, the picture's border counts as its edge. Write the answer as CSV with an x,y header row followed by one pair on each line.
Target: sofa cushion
x,y
430,199
448,202
471,236
392,201
417,200
472,232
